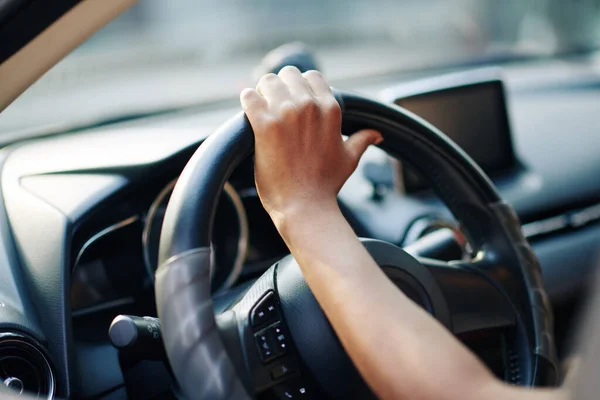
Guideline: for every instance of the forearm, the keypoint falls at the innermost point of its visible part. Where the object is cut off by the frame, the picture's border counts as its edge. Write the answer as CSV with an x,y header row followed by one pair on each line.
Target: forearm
x,y
301,162
400,350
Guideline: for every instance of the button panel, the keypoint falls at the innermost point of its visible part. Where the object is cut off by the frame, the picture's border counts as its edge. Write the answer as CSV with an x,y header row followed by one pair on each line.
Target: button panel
x,y
281,341
277,369
266,346
272,342
264,311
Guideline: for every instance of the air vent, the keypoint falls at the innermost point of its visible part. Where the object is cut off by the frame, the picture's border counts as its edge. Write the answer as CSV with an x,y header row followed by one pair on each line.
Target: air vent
x,y
24,368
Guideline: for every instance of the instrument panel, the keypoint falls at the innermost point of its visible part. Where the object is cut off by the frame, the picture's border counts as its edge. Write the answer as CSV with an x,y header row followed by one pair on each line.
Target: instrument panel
x,y
230,240
117,264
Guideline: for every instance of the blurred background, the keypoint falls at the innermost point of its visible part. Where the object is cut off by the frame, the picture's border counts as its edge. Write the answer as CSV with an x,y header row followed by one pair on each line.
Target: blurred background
x,y
215,30
167,54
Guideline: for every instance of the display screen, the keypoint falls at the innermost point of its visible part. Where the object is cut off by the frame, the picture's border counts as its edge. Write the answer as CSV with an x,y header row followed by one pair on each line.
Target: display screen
x,y
473,116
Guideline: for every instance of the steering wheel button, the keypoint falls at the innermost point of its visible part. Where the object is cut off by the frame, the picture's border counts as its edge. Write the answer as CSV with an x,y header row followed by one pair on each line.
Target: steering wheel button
x,y
265,346
281,370
280,339
281,345
264,310
295,390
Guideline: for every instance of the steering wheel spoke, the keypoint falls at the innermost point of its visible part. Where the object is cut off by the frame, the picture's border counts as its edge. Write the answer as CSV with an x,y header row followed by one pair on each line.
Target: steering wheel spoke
x,y
475,302
270,357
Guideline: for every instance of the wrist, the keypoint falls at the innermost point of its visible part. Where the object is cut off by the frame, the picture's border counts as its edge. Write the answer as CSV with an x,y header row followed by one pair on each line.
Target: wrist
x,y
303,216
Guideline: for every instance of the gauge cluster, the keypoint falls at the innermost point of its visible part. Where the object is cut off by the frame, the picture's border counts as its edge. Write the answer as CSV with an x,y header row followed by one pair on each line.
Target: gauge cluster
x,y
117,263
229,241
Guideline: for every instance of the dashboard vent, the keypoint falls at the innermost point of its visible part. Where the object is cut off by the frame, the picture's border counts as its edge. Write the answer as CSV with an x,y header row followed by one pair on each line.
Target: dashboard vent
x,y
572,219
24,367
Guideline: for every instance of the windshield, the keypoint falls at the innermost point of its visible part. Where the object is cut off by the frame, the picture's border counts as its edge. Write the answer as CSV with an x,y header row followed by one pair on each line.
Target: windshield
x,y
164,54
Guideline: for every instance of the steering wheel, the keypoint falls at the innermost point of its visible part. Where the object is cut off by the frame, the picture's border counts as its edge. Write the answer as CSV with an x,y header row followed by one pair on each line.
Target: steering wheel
x,y
276,335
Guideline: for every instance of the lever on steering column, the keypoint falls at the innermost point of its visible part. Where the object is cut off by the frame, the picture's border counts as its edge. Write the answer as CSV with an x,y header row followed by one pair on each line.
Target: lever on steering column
x,y
139,336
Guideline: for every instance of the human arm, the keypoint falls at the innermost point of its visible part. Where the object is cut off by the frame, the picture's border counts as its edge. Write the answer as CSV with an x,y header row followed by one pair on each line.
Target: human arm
x,y
301,162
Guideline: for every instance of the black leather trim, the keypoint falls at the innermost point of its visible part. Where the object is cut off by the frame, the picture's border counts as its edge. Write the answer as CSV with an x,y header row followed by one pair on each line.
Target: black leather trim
x,y
190,333
546,367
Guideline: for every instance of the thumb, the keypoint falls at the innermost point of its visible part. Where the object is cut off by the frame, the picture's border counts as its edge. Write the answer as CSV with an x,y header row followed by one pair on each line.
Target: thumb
x,y
358,142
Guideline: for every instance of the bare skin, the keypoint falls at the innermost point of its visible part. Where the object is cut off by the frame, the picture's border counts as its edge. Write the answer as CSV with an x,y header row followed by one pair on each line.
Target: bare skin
x,y
301,164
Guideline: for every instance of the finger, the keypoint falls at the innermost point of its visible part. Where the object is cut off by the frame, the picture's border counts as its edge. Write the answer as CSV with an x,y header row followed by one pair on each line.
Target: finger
x,y
272,88
297,85
254,105
318,84
358,143
251,100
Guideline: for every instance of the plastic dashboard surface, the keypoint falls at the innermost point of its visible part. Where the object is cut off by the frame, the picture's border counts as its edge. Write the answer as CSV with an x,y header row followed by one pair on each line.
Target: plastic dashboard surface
x,y
50,186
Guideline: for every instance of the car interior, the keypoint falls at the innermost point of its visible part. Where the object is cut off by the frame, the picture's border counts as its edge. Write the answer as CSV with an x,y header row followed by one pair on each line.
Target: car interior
x,y
125,152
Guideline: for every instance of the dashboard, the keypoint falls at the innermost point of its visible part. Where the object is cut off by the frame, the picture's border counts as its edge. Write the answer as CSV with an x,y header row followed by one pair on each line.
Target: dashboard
x,y
81,214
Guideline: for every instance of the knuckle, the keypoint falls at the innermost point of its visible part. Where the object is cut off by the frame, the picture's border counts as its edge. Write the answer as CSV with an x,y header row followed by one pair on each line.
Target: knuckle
x,y
267,79
332,109
288,111
271,124
308,105
313,73
247,95
289,69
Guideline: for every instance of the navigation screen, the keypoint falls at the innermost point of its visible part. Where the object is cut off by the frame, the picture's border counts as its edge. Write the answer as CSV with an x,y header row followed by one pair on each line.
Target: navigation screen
x,y
473,116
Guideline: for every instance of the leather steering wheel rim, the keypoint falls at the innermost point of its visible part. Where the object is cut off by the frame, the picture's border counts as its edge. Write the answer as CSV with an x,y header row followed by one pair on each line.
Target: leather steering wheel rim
x,y
193,344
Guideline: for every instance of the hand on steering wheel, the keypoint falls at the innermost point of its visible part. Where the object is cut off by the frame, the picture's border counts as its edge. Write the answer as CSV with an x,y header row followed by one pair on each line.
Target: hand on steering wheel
x,y
276,336
300,157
